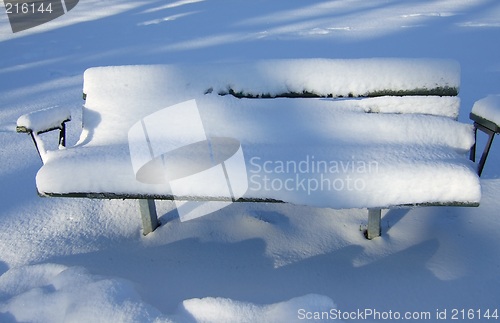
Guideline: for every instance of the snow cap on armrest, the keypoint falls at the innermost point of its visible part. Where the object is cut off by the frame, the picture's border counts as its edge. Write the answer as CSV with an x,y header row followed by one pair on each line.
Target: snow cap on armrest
x,y
43,120
488,109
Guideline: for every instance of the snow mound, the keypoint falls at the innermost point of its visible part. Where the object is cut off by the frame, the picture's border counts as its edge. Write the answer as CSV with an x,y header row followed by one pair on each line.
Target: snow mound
x,y
56,293
230,311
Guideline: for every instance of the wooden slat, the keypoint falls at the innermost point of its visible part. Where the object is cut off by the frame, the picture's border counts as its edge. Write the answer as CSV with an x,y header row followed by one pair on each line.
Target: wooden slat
x,y
115,196
438,91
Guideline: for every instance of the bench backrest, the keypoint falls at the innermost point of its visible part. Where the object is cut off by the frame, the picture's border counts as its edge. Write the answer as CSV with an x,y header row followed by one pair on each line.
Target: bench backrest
x,y
118,96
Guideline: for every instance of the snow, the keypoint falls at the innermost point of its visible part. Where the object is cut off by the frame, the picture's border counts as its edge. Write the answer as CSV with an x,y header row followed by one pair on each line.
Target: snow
x,y
68,259
225,310
488,108
70,294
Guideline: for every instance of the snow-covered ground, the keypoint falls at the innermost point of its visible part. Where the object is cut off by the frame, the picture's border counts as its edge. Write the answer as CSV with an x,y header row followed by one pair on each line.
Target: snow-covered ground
x,y
84,260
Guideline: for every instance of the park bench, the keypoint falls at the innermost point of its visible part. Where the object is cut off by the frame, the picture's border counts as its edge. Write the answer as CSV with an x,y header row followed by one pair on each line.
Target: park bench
x,y
343,134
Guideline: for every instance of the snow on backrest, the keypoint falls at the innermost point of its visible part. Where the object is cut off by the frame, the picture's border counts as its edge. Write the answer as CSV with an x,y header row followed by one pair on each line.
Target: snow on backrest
x,y
340,77
119,96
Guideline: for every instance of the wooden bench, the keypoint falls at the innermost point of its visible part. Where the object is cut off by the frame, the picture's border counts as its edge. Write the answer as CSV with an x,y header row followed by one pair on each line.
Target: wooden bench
x,y
361,133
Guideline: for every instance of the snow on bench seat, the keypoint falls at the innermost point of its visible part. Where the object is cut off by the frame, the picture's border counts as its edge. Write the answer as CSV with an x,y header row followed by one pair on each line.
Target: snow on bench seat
x,y
373,160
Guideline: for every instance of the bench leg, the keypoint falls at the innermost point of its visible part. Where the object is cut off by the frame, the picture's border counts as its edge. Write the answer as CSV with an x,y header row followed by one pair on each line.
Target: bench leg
x,y
472,155
374,228
62,135
486,151
148,215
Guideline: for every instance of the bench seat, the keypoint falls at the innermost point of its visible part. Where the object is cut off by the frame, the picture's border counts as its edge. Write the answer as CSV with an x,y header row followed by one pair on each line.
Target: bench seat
x,y
327,157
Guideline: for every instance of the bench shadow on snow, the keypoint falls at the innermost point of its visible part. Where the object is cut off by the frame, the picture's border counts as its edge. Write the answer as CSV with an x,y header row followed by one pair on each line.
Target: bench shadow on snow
x,y
7,318
392,217
3,268
189,268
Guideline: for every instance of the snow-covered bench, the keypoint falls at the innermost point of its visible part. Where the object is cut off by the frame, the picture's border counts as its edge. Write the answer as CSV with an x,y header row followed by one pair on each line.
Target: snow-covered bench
x,y
360,133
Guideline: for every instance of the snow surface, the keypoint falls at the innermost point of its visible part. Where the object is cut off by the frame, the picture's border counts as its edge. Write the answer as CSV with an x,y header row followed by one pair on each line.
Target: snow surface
x,y
69,294
247,259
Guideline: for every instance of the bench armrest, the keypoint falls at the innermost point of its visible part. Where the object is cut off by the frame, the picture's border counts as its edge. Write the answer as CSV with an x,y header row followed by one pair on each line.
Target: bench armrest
x,y
486,112
486,116
42,121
